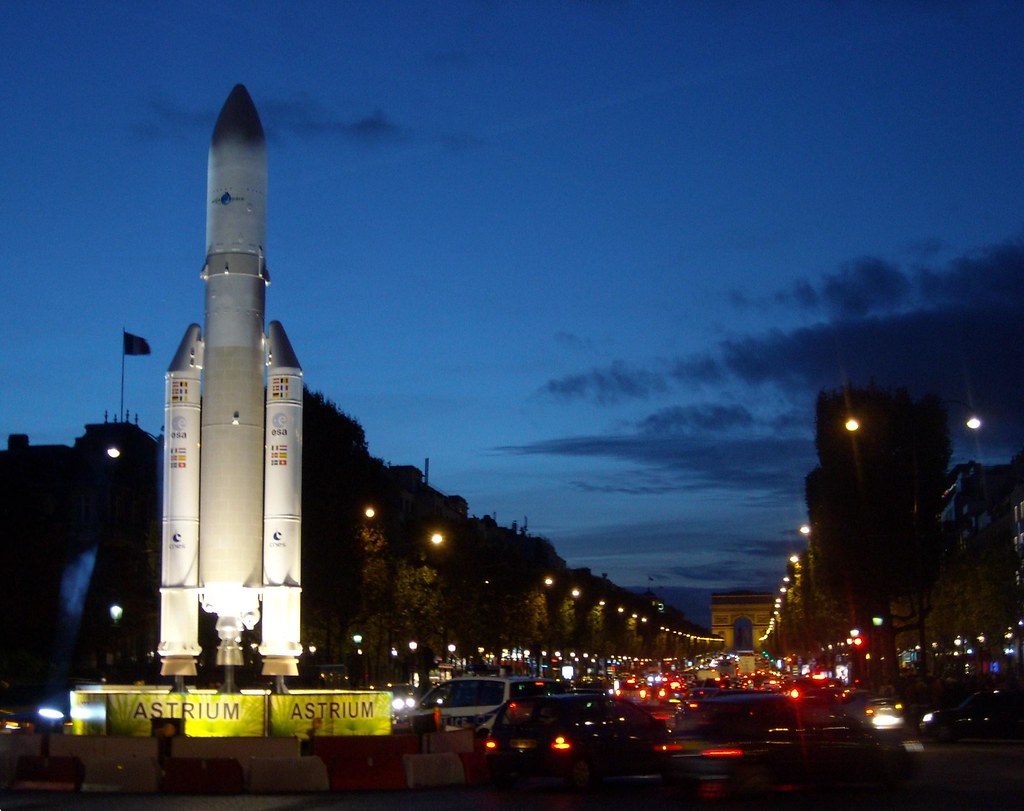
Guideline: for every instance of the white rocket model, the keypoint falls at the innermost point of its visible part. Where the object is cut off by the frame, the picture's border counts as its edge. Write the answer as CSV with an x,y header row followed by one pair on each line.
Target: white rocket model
x,y
233,452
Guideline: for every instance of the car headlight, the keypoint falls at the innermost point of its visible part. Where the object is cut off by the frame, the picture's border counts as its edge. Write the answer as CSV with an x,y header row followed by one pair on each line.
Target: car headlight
x,y
398,704
927,718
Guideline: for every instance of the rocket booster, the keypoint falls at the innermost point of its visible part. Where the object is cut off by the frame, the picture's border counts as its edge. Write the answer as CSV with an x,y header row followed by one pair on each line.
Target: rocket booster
x,y
215,506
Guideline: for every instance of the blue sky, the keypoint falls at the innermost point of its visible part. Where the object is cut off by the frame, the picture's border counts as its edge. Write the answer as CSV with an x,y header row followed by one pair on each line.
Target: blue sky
x,y
594,259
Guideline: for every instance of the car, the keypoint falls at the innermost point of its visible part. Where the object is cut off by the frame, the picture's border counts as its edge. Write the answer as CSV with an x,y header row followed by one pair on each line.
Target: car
x,y
592,684
472,701
755,742
981,715
879,711
578,737
403,704
654,693
688,712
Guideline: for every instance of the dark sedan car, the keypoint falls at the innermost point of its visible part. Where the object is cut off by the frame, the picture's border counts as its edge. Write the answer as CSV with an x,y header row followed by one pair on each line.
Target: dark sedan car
x,y
754,742
982,715
578,737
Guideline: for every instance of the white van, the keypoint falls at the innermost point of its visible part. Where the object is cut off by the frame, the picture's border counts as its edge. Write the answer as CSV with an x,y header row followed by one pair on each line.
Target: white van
x,y
472,701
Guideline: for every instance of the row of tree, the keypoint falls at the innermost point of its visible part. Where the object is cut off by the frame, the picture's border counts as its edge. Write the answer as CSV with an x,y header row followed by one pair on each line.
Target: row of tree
x,y
877,560
372,585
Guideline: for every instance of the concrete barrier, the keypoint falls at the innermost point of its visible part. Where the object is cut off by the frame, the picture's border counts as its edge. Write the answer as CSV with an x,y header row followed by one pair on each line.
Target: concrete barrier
x,y
287,775
12,747
458,741
135,775
91,747
438,769
193,775
366,762
46,773
474,765
241,749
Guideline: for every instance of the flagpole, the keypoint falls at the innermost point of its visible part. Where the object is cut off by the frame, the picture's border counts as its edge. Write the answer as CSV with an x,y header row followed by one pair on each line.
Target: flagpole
x,y
120,413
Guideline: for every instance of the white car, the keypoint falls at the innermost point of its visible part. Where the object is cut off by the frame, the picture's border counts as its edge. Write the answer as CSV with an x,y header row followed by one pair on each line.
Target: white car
x,y
472,701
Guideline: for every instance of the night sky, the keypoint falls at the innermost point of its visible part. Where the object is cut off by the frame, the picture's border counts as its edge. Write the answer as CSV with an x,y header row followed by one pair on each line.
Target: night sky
x,y
595,260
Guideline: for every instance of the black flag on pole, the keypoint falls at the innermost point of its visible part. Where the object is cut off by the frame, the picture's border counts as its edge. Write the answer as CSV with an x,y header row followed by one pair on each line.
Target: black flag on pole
x,y
134,345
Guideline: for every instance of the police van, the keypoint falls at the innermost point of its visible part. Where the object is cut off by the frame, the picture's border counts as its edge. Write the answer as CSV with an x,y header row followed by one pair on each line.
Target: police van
x,y
472,701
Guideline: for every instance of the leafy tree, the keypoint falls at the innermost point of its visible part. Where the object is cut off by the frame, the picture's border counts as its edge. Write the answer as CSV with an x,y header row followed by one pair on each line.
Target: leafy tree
x,y
874,501
811,618
339,479
977,596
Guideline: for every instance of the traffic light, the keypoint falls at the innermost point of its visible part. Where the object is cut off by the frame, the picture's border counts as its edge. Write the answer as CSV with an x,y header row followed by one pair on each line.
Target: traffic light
x,y
859,642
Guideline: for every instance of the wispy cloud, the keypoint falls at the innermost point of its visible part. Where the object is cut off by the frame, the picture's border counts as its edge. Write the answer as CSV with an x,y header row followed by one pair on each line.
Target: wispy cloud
x,y
610,385
953,330
744,445
285,119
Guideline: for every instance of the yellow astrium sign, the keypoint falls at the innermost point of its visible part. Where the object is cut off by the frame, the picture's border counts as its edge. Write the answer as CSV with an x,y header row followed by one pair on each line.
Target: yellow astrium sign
x,y
250,714
300,714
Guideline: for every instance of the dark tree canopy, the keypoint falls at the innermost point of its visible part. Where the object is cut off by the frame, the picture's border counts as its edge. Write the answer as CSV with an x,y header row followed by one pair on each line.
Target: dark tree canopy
x,y
875,497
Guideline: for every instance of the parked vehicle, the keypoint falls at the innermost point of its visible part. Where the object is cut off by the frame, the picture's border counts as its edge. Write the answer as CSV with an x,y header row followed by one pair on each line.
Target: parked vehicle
x,y
579,737
472,701
403,704
752,742
982,715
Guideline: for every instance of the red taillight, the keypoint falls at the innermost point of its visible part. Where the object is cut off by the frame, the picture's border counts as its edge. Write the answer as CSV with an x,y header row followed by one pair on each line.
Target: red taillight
x,y
722,753
643,694
662,693
668,747
561,744
491,745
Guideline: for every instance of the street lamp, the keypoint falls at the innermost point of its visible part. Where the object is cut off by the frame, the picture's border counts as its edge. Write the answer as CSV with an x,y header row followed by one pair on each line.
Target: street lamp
x,y
973,421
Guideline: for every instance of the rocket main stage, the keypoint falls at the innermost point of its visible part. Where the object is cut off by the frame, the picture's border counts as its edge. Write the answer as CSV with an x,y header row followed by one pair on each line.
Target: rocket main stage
x,y
233,452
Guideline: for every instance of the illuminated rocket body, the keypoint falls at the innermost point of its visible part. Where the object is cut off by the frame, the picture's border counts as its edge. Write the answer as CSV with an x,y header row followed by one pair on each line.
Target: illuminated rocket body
x,y
232,518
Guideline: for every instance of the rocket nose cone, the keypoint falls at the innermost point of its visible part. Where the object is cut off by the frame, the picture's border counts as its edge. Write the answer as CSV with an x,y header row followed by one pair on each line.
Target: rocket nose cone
x,y
238,119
